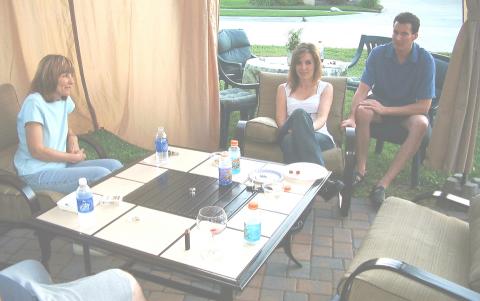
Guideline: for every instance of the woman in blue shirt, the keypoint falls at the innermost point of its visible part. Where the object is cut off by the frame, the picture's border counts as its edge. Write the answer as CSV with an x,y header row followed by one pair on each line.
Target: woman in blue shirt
x,y
48,155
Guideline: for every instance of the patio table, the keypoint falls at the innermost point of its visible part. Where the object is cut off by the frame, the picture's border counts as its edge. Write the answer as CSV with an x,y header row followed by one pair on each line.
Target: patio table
x,y
279,65
148,226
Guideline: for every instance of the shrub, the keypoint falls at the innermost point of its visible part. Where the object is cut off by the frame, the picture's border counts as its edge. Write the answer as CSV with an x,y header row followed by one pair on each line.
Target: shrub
x,y
369,3
266,3
293,39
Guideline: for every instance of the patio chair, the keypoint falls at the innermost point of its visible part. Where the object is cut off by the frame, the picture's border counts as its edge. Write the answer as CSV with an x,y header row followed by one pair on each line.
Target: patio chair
x,y
412,252
398,135
369,42
18,202
233,52
258,136
241,97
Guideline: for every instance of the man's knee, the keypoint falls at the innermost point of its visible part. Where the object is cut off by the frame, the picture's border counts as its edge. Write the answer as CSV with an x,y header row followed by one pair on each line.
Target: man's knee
x,y
417,124
363,115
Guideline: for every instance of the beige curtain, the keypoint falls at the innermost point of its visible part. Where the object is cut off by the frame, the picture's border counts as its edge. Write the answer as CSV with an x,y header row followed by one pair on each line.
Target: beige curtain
x,y
147,63
454,133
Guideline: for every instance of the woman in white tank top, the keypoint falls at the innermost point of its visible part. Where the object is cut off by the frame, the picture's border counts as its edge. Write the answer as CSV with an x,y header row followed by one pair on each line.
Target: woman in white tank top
x,y
302,107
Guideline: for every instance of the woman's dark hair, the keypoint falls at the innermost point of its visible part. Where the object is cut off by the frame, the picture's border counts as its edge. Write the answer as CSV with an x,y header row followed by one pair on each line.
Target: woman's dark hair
x,y
408,18
293,79
48,71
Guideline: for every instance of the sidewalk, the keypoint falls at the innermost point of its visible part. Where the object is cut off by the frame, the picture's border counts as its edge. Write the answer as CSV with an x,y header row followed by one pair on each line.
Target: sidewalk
x,y
440,23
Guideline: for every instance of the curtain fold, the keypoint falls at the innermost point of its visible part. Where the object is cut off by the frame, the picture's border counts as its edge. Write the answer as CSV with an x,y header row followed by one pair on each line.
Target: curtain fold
x,y
146,63
454,133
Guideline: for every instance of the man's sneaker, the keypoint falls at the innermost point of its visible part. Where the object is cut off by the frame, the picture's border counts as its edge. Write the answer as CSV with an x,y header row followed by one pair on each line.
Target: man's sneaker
x,y
331,189
378,195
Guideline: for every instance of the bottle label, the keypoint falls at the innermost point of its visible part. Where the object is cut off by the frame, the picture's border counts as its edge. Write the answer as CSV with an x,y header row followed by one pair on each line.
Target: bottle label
x,y
224,176
236,165
161,145
251,232
85,205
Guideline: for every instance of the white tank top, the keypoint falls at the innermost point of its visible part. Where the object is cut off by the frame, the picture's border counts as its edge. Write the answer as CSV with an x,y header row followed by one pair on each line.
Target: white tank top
x,y
309,105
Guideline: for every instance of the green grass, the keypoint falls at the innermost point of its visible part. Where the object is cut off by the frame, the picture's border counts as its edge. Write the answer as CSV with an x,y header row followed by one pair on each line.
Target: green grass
x,y
377,164
245,4
278,13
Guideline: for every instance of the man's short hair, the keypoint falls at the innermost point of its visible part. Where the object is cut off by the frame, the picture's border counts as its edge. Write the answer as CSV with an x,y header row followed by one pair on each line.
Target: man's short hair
x,y
406,17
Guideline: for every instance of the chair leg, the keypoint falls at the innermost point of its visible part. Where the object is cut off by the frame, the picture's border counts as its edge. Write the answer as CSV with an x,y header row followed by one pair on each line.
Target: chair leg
x,y
416,161
379,147
224,121
45,242
287,247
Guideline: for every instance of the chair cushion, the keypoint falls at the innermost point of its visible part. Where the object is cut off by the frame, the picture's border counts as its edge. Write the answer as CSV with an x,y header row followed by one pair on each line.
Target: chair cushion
x,y
419,236
6,158
262,129
474,223
233,45
236,99
12,291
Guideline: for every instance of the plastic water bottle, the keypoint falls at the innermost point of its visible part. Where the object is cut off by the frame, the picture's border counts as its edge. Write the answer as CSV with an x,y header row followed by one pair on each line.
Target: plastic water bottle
x,y
224,169
234,152
252,227
161,146
84,198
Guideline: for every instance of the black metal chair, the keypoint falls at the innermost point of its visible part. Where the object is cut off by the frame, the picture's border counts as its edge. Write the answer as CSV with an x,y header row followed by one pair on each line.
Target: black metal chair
x,y
398,135
233,52
369,42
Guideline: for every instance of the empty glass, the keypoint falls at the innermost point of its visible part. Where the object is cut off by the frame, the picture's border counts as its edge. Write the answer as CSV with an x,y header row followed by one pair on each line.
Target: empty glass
x,y
211,221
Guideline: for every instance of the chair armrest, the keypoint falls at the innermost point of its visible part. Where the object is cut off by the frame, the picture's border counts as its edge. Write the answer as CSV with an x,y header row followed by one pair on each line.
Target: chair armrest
x,y
238,85
358,54
431,280
348,172
230,63
240,132
94,144
11,180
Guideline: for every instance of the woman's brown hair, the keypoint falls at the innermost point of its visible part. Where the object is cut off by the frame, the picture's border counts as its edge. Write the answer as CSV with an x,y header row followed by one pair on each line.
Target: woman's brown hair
x,y
48,71
293,79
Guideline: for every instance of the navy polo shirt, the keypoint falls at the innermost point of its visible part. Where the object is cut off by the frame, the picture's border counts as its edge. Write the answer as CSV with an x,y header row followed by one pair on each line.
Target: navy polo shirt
x,y
398,84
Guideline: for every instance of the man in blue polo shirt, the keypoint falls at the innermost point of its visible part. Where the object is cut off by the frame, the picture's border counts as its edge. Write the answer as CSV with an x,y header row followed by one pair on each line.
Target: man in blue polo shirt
x,y
397,86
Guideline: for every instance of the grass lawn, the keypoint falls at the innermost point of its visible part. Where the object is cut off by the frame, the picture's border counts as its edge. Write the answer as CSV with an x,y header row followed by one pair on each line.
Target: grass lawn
x,y
254,12
377,164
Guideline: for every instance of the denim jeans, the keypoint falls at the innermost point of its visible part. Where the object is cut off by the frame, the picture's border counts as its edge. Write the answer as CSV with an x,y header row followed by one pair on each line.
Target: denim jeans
x,y
65,180
302,143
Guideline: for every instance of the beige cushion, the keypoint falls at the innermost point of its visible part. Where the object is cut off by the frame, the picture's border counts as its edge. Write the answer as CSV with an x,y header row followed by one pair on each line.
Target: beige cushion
x,y
6,158
474,222
262,129
419,236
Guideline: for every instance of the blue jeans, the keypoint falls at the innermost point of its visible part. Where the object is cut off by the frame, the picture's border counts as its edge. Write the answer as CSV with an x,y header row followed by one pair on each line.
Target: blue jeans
x,y
302,143
65,180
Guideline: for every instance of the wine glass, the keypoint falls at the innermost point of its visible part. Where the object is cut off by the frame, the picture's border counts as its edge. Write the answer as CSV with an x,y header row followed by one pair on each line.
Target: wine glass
x,y
211,221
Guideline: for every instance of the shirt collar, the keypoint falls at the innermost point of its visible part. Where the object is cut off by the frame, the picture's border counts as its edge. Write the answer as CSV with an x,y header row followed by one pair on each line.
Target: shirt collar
x,y
412,57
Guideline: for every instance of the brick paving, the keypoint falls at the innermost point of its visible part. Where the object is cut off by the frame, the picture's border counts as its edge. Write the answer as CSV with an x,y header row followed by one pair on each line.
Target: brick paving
x,y
325,247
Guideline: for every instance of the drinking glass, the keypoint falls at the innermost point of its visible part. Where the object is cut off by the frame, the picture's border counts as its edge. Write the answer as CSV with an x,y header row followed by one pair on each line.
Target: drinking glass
x,y
211,221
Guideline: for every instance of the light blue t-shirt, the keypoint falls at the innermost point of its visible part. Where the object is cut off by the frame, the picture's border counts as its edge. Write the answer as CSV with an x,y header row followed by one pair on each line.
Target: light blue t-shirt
x,y
53,116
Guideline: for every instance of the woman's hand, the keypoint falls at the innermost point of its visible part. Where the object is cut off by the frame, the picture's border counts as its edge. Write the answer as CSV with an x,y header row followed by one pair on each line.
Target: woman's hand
x,y
77,156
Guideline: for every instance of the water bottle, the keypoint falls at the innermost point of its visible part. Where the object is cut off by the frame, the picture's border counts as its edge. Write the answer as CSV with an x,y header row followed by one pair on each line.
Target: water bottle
x,y
84,197
234,152
161,146
224,169
252,227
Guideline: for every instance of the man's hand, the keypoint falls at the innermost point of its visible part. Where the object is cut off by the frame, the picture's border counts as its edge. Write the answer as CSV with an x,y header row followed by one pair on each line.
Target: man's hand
x,y
373,105
72,144
78,156
350,122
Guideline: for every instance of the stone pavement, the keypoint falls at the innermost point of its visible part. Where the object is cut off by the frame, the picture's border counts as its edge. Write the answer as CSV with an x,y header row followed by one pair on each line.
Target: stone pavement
x,y
325,248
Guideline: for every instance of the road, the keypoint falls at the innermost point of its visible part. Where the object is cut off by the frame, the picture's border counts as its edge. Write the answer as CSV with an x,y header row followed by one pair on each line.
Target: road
x,y
440,22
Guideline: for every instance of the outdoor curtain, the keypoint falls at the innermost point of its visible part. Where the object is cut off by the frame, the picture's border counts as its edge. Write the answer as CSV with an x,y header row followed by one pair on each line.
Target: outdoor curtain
x,y
454,133
146,63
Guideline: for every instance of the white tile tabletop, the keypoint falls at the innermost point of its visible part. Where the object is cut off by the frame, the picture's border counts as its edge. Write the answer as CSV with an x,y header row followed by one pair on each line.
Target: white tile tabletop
x,y
185,160
147,230
141,173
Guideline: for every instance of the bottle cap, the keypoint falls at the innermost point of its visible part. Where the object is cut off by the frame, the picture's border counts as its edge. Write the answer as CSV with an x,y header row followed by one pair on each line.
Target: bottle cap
x,y
82,181
253,205
233,142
